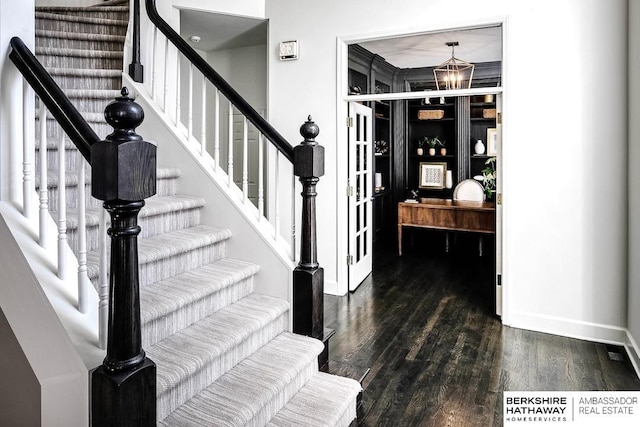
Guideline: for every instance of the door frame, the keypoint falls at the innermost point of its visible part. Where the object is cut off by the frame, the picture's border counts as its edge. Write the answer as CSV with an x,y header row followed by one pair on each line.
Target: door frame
x,y
342,101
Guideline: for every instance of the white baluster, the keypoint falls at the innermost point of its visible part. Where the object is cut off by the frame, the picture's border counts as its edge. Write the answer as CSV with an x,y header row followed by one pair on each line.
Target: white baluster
x,y
83,277
230,154
166,83
154,84
43,190
190,110
28,148
260,177
245,161
177,88
276,194
203,137
103,281
216,124
62,208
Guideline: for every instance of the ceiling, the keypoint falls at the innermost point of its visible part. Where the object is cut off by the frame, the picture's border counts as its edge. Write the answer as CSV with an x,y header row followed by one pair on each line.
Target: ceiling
x,y
428,50
218,31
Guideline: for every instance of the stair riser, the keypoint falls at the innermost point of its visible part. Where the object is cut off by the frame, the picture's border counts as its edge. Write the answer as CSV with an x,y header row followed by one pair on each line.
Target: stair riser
x,y
79,27
49,61
178,264
150,226
159,329
72,197
88,105
176,396
164,187
102,129
120,15
89,83
70,158
95,45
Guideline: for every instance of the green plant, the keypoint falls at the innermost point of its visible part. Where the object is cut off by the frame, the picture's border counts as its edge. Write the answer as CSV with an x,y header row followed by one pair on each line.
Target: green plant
x,y
489,176
431,142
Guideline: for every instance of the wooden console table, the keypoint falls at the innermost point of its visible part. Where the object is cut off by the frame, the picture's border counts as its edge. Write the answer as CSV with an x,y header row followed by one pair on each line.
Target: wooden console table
x,y
477,217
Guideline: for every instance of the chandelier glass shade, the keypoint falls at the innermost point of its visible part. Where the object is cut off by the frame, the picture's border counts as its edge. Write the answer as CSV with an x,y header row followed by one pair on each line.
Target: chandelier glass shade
x,y
453,73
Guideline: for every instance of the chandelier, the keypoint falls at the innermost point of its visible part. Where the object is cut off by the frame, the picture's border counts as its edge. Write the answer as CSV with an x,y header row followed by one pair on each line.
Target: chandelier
x,y
453,73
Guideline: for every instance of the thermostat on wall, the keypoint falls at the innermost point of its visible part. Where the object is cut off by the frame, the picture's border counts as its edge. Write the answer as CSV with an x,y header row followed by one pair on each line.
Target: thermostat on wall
x,y
289,50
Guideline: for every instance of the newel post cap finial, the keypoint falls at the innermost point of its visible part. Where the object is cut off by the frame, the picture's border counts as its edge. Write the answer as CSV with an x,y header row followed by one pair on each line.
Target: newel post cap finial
x,y
308,156
123,165
124,115
309,130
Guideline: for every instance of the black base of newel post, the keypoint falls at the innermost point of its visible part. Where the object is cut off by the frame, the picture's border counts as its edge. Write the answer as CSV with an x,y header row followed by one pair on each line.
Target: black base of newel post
x,y
124,399
136,72
308,277
308,302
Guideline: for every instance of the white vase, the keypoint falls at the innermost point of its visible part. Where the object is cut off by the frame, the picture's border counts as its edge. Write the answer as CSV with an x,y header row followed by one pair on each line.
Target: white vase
x,y
420,151
432,151
479,147
448,179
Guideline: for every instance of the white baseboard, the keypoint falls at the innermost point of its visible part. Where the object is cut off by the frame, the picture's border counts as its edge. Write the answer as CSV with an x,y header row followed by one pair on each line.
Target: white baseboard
x,y
607,334
331,287
633,351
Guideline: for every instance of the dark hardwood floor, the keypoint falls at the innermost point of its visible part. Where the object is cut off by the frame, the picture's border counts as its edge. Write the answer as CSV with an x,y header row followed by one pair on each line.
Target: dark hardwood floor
x,y
438,356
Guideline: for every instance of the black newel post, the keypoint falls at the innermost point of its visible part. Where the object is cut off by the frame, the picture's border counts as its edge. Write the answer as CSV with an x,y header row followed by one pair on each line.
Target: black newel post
x,y
308,277
123,388
135,68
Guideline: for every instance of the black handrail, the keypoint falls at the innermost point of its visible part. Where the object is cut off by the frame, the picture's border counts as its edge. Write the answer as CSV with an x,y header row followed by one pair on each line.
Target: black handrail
x,y
216,79
56,101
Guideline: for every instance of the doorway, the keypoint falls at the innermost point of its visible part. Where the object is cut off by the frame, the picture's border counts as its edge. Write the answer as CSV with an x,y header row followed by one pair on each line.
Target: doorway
x,y
395,95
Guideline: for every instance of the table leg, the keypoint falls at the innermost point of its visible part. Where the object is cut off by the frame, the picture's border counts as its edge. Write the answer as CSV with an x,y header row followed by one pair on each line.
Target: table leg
x,y
399,240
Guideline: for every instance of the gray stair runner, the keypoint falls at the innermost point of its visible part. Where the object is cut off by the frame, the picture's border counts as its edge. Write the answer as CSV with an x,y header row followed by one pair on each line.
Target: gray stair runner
x,y
222,352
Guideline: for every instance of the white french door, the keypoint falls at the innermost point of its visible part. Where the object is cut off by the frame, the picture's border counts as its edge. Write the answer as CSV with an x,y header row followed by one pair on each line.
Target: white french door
x,y
360,188
498,199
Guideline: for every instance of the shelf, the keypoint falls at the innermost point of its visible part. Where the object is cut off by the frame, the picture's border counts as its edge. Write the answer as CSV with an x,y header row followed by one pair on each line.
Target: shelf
x,y
381,118
482,119
381,193
446,119
482,156
437,156
382,155
483,104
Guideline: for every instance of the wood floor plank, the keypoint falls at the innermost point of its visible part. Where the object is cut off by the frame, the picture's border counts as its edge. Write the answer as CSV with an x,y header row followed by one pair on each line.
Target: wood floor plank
x,y
438,356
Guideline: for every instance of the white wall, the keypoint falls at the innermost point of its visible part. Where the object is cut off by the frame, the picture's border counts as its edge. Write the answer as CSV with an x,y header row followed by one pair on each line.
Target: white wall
x,y
564,150
245,68
634,180
248,8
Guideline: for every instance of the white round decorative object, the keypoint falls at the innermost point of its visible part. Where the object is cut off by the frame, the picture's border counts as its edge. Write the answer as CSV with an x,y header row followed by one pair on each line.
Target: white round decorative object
x,y
479,147
469,190
448,180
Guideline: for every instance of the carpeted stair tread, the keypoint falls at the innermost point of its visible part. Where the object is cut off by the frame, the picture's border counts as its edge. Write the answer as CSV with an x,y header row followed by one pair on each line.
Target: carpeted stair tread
x,y
40,33
157,205
193,358
81,19
71,178
78,53
96,8
169,295
167,245
326,400
256,389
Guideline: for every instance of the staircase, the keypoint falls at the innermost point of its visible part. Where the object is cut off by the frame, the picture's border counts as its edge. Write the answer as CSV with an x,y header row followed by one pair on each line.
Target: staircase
x,y
223,355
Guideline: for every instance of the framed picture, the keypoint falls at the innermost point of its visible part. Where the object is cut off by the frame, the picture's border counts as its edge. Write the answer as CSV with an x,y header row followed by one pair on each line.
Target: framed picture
x,y
432,175
492,142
